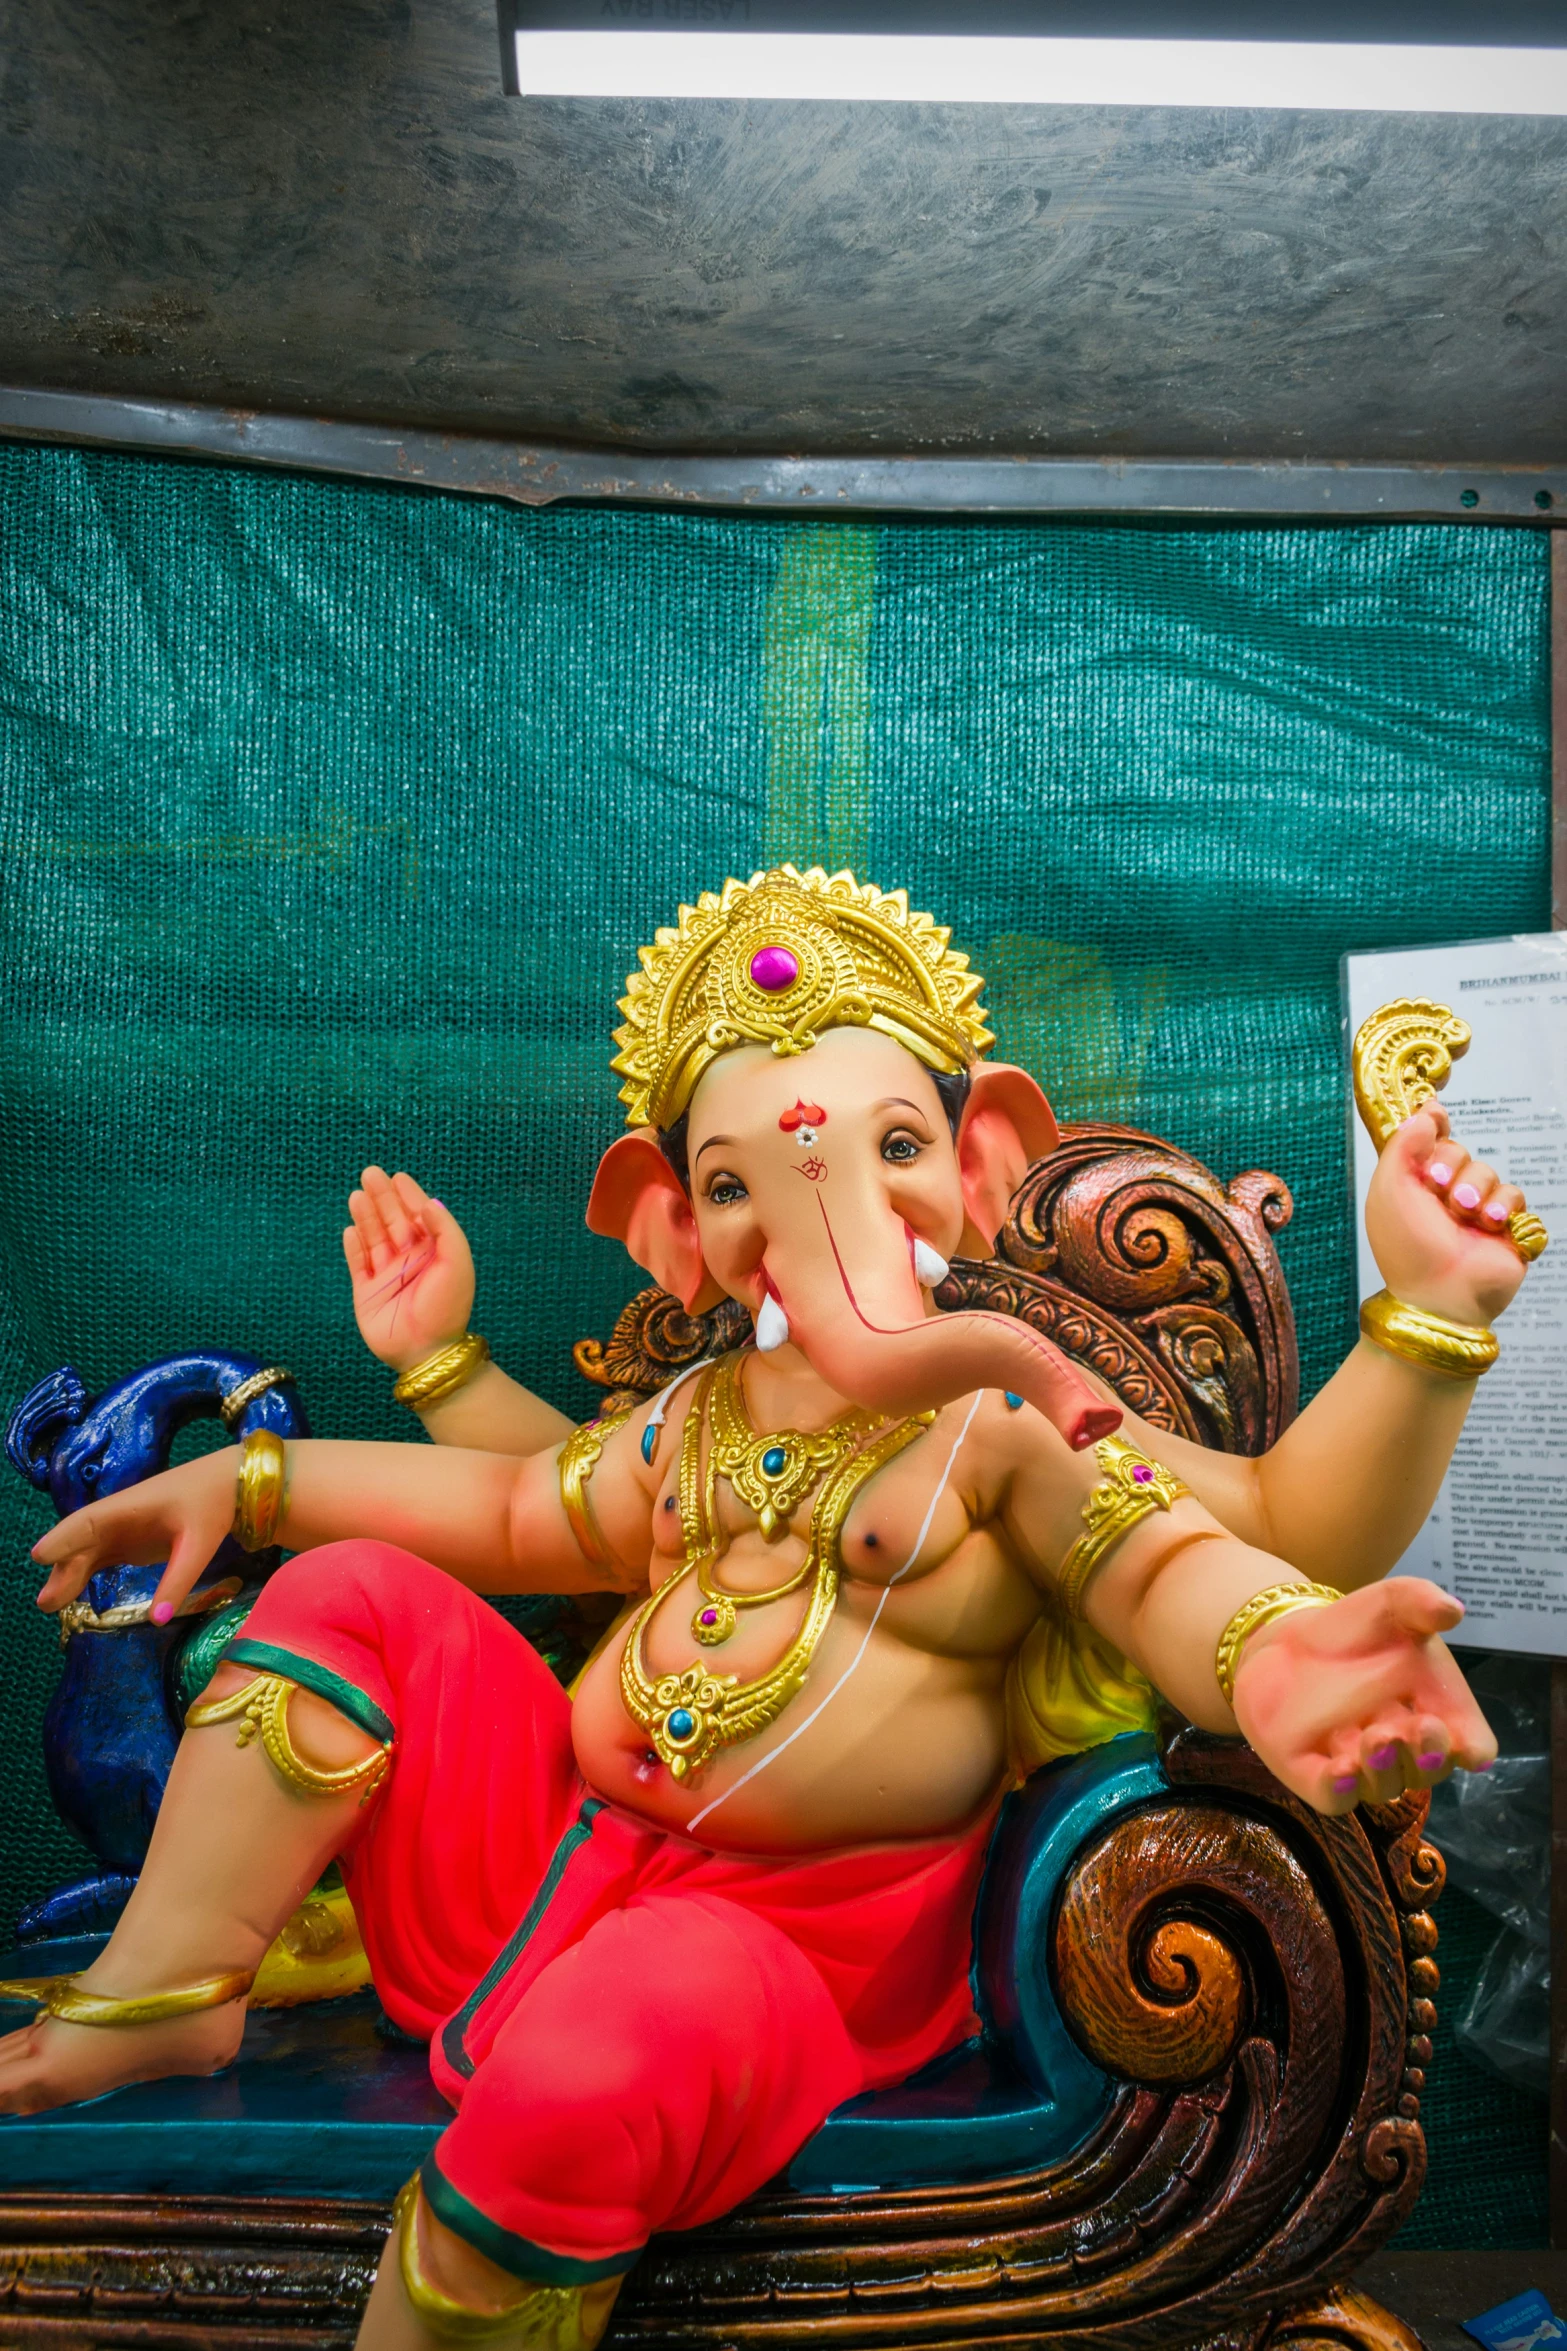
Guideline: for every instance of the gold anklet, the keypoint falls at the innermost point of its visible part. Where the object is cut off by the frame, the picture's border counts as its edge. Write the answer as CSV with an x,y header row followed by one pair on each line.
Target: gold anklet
x,y
441,1375
1130,1487
539,2316
258,1505
1262,1608
58,1996
1458,1350
263,1704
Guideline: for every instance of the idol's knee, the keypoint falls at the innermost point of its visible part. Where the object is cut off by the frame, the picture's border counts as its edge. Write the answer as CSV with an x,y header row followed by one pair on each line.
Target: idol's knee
x,y
351,1579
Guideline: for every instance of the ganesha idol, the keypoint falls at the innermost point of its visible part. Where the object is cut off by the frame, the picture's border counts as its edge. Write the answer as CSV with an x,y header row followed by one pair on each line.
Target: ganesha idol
x,y
869,1570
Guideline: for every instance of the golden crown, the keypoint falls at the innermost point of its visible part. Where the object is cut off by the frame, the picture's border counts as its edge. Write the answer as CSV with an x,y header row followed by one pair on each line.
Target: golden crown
x,y
777,960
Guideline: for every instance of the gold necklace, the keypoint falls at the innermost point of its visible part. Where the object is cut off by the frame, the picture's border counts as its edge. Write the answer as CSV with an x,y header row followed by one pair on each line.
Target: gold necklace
x,y
771,1475
690,1716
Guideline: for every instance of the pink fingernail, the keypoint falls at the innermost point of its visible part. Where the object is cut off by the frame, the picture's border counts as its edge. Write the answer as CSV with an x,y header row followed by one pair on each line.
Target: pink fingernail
x,y
162,1611
1496,1211
1439,1172
1466,1196
1485,1766
1351,1780
1433,1761
1381,1757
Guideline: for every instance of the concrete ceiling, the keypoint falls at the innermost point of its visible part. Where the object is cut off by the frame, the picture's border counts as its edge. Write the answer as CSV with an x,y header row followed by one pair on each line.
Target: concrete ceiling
x,y
328,206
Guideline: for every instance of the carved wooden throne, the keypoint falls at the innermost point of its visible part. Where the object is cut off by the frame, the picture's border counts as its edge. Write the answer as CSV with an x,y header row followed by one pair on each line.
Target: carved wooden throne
x,y
1240,1990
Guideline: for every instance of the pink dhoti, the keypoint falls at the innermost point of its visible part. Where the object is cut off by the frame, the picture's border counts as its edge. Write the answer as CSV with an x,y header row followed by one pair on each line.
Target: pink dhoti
x,y
635,2032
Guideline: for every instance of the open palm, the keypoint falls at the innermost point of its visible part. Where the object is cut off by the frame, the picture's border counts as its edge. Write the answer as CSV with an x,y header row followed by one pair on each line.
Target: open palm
x,y
1357,1702
411,1268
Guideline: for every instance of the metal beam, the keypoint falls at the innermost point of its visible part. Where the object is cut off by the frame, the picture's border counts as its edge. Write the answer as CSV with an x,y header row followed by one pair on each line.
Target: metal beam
x,y
539,474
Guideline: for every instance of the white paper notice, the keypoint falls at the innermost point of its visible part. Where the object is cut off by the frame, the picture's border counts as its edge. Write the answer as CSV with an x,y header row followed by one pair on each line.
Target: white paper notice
x,y
1498,1534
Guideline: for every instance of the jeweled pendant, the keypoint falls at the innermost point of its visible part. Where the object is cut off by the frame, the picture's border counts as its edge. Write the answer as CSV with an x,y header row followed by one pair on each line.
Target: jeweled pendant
x,y
713,1622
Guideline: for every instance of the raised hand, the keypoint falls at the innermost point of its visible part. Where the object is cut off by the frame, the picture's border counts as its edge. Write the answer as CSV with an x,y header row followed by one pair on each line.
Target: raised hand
x,y
1437,1223
411,1268
1357,1702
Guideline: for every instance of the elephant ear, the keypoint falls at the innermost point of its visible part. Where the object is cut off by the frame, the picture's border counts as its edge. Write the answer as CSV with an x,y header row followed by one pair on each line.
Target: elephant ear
x,y
45,1413
1007,1124
638,1200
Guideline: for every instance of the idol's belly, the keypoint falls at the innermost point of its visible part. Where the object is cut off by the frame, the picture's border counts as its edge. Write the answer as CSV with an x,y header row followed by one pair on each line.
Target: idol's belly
x,y
906,1745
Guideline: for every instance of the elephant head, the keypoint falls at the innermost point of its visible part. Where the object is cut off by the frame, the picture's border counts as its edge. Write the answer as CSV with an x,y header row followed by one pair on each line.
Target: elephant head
x,y
826,1191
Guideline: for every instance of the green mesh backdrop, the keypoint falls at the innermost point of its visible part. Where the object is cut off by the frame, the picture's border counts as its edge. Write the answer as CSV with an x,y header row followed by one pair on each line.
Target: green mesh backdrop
x,y
333,816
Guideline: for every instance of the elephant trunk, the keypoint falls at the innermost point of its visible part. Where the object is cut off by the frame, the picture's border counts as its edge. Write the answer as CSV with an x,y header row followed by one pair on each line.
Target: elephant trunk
x,y
866,1332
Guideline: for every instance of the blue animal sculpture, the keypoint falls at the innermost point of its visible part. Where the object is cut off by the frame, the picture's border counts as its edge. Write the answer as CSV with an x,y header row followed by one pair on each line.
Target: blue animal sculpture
x,y
114,1720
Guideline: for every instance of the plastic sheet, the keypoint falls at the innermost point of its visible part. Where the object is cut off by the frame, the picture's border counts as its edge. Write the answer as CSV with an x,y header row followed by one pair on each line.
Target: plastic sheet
x,y
1494,1831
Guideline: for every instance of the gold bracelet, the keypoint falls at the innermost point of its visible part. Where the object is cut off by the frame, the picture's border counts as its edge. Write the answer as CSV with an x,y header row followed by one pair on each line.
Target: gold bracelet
x,y
1131,1486
258,1504
579,1458
1458,1350
441,1375
1262,1608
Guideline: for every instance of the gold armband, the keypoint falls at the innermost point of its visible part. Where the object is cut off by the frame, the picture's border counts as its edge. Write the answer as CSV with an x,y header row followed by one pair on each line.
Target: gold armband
x,y
441,1375
1262,1608
1458,1350
258,1504
579,1458
1131,1487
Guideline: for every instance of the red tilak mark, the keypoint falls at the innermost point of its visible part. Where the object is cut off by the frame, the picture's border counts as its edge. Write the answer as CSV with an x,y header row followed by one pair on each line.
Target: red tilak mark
x,y
804,1114
814,1170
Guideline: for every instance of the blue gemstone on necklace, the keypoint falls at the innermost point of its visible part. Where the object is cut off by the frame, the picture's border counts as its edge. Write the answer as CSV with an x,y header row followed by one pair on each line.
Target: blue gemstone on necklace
x,y
1014,1403
681,1725
774,1462
649,1442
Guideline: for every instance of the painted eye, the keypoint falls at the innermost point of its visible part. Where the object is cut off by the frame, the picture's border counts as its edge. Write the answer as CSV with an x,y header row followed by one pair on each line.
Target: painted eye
x,y
900,1149
727,1192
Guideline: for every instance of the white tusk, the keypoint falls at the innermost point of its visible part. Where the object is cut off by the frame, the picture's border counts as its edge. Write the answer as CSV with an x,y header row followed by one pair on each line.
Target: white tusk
x,y
930,1267
772,1325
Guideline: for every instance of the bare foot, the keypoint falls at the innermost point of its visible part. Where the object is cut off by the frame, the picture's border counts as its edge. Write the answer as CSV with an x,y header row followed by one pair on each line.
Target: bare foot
x,y
53,2064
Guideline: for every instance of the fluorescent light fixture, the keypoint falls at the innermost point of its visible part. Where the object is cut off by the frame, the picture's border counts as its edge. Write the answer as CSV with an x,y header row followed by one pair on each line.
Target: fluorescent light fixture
x,y
1495,59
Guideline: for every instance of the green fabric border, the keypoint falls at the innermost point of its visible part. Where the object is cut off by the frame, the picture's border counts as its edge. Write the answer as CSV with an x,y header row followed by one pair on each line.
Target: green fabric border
x,y
455,2030
535,2263
331,1686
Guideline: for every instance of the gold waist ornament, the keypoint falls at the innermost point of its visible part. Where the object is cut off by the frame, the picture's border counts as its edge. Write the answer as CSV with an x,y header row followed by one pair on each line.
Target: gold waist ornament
x,y
690,1716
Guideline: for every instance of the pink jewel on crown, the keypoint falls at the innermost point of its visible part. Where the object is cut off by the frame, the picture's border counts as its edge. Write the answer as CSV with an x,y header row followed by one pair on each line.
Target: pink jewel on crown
x,y
773,969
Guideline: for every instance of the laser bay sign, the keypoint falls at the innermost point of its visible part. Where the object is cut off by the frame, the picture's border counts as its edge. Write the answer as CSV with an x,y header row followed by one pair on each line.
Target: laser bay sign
x,y
1380,56
1497,1535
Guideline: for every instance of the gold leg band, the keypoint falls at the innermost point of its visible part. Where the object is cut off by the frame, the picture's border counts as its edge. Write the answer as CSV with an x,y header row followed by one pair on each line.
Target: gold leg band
x,y
58,1996
262,1708
543,2318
